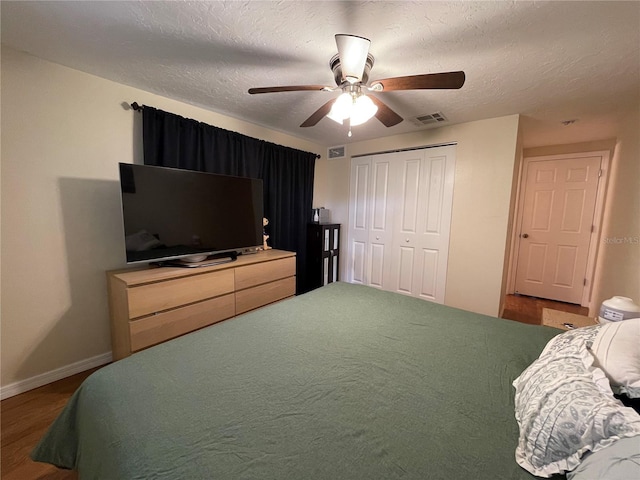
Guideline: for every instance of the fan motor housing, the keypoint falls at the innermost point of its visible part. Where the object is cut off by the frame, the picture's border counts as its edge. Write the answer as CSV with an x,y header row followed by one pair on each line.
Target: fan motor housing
x,y
336,68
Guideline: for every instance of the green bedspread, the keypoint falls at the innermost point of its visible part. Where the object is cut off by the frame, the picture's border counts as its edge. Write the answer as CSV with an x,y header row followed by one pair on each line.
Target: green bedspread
x,y
345,382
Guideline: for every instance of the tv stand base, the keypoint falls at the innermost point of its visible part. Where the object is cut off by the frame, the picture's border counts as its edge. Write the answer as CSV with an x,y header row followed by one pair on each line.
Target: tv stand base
x,y
217,259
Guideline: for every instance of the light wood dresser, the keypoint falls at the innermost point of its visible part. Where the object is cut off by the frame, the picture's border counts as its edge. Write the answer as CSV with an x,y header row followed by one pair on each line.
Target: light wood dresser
x,y
152,305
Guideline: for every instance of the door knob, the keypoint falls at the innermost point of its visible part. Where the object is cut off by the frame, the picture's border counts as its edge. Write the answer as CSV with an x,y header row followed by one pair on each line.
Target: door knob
x,y
525,235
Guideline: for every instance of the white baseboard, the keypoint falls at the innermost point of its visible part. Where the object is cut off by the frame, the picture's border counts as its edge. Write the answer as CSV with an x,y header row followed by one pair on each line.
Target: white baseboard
x,y
54,375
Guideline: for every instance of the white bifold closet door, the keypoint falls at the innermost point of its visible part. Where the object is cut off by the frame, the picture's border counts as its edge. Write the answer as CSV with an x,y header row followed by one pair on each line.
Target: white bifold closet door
x,y
399,221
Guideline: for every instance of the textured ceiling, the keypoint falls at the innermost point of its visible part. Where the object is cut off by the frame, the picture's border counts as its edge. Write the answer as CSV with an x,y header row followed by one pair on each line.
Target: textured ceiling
x,y
549,61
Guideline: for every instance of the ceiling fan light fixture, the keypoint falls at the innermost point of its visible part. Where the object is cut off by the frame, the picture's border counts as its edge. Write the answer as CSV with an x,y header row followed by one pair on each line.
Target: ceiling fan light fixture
x,y
363,110
341,109
357,108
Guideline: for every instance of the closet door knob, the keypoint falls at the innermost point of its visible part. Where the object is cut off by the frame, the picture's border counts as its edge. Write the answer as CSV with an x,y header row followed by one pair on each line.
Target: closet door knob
x,y
525,235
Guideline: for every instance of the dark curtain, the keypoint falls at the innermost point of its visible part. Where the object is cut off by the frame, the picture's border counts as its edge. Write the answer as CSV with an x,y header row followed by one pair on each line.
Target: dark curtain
x,y
287,174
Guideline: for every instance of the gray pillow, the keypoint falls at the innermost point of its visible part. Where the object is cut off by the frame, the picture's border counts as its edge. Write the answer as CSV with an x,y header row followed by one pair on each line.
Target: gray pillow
x,y
620,461
565,407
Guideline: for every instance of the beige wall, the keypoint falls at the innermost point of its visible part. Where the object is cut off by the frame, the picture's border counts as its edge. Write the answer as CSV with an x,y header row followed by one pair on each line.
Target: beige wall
x,y
63,134
618,266
485,162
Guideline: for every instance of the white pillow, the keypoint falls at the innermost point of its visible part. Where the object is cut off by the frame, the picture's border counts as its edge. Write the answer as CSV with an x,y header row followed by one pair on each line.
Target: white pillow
x,y
616,349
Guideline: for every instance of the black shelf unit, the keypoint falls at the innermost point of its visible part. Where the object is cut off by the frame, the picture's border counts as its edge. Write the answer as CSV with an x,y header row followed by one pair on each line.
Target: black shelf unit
x,y
323,254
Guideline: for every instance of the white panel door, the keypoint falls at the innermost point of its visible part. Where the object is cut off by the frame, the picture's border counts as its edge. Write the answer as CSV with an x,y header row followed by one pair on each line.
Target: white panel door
x,y
400,214
422,222
380,235
359,220
370,211
557,215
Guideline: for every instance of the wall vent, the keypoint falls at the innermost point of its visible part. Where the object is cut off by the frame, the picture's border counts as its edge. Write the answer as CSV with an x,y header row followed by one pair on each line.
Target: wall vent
x,y
429,119
337,152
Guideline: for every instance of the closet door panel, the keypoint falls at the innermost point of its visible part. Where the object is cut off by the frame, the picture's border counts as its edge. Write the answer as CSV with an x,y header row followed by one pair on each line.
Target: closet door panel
x,y
371,208
361,197
358,256
434,181
377,270
380,196
410,192
428,271
407,224
381,233
437,199
405,267
359,220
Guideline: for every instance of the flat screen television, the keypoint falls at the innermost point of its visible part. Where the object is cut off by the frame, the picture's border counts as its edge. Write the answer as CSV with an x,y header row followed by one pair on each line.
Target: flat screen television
x,y
184,216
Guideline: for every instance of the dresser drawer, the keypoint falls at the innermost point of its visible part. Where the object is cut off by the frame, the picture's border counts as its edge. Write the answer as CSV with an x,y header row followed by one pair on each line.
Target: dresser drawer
x,y
149,306
156,297
255,297
259,273
155,329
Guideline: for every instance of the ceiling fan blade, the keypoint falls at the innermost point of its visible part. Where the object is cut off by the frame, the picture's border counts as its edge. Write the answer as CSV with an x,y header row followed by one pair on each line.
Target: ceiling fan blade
x,y
388,117
352,51
445,80
290,88
318,114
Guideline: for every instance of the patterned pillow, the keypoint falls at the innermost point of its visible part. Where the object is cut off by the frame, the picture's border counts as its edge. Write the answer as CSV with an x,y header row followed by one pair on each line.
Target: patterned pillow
x,y
565,407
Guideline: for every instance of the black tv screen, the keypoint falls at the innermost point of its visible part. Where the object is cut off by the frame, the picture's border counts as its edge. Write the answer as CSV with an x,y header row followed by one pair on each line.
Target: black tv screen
x,y
170,213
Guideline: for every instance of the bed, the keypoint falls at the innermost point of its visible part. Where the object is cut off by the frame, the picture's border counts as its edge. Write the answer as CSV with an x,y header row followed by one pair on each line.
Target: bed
x,y
345,382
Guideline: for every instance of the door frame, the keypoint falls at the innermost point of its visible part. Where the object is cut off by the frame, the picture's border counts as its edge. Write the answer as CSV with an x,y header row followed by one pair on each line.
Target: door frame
x,y
597,218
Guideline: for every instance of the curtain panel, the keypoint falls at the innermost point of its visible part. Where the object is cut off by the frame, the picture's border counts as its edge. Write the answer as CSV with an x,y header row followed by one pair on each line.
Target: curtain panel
x,y
170,140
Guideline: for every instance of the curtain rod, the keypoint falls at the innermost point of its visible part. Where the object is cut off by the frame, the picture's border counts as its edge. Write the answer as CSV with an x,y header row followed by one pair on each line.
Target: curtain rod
x,y
138,108
409,149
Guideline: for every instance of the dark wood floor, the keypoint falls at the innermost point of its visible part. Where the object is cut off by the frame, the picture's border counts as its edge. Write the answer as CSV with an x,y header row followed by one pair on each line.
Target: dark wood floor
x,y
27,416
24,419
529,309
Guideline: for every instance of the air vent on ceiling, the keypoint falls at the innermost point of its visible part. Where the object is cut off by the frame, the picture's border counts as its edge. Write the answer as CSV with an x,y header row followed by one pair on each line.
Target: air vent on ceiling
x,y
337,152
429,119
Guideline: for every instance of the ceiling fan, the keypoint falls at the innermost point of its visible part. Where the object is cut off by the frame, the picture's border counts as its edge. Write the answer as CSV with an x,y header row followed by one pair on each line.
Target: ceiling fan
x,y
351,67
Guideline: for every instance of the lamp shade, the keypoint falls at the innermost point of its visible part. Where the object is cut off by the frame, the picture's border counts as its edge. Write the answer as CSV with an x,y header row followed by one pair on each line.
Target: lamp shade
x,y
341,109
363,109
353,56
